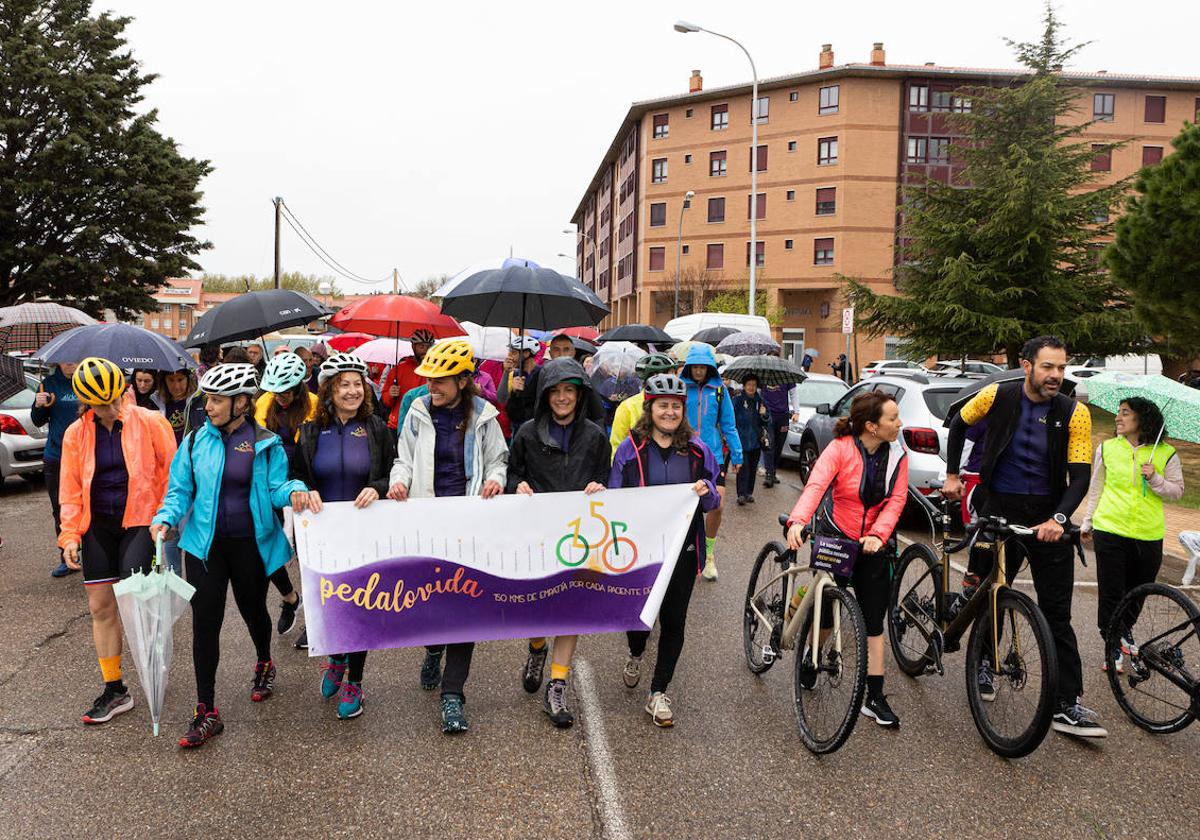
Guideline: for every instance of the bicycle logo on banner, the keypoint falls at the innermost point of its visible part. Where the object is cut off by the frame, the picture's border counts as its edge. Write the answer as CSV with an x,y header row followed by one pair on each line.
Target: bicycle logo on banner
x,y
578,549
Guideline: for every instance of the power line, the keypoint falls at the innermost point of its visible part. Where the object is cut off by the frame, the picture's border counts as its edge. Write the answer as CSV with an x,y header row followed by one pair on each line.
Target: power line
x,y
320,252
288,211
317,253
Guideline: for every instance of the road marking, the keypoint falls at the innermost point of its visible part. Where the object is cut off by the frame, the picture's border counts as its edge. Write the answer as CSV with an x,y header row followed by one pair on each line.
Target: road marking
x,y
612,816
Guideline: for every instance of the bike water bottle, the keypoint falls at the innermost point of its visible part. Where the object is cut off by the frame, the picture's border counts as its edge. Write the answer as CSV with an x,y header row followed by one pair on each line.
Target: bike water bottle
x,y
801,591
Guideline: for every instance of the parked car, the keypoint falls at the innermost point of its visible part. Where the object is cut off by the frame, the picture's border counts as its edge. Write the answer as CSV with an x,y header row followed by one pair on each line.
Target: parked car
x,y
804,398
973,369
1080,374
923,400
21,442
888,365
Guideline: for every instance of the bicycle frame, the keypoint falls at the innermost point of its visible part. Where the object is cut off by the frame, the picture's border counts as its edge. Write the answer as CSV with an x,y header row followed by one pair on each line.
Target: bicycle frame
x,y
812,601
1149,658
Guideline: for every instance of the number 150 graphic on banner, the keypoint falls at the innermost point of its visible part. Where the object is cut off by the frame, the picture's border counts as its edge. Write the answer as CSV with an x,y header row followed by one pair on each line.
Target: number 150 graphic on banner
x,y
574,549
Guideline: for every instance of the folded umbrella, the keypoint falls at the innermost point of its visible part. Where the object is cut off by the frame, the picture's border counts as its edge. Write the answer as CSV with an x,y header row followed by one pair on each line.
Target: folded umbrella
x,y
125,345
644,333
714,335
27,326
254,314
748,344
770,370
524,297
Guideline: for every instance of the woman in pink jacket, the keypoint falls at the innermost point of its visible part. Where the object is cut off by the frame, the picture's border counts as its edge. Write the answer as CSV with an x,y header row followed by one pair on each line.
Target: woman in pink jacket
x,y
857,491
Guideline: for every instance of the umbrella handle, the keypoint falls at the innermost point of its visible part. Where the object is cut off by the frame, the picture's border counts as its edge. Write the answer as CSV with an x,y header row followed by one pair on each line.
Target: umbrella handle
x,y
158,550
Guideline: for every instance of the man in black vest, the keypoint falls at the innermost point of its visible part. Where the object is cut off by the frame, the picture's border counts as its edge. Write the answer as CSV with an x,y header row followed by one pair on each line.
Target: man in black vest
x,y
1035,471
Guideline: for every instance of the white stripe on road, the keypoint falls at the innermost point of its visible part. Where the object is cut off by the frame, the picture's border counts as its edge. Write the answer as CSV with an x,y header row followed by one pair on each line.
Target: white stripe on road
x,y
612,817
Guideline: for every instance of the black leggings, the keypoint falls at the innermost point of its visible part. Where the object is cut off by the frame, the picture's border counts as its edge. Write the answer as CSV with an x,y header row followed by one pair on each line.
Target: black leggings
x,y
1121,564
871,584
672,617
232,561
50,474
282,581
458,665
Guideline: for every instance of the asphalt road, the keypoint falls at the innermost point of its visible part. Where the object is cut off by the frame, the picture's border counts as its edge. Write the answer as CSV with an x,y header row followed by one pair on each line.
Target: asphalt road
x,y
732,767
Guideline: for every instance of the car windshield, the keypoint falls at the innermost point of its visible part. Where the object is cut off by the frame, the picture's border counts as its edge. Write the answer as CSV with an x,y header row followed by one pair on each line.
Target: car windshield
x,y
24,399
815,392
939,401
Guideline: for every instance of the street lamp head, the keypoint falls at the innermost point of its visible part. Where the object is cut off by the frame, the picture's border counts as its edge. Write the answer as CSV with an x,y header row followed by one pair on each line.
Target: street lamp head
x,y
690,194
568,230
567,256
684,26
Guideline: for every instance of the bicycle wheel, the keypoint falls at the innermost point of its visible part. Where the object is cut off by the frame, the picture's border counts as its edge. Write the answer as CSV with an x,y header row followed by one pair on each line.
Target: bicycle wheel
x,y
1164,625
829,697
912,607
756,634
1024,676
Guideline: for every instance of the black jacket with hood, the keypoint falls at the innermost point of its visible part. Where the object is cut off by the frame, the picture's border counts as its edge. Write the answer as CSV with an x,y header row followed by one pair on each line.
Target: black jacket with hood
x,y
537,458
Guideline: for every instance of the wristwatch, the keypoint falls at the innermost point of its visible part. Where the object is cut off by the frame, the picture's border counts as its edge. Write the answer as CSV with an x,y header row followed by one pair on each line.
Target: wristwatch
x,y
1061,519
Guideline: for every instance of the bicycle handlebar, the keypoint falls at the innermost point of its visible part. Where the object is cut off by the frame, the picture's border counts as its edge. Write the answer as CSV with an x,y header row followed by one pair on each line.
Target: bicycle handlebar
x,y
1002,527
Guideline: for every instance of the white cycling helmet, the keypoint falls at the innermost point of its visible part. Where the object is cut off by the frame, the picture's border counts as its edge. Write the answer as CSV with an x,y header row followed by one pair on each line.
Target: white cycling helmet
x,y
422,336
229,380
284,372
525,342
340,363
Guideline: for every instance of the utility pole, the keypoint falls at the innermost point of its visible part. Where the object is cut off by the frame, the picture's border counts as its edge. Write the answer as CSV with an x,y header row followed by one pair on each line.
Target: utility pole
x,y
395,281
278,219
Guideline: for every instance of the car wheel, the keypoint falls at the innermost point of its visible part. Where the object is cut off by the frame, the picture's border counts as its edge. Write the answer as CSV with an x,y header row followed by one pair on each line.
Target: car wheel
x,y
808,457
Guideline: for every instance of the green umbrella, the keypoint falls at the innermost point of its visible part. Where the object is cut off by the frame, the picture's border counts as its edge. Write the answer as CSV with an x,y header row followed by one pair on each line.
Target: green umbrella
x,y
1179,404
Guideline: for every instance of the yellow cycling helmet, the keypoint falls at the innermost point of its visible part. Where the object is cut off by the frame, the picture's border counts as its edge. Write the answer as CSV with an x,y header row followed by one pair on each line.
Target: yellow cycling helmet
x,y
447,358
98,382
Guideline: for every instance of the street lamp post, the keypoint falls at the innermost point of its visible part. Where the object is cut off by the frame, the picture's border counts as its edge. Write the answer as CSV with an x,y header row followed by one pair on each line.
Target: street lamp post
x,y
587,237
687,202
685,27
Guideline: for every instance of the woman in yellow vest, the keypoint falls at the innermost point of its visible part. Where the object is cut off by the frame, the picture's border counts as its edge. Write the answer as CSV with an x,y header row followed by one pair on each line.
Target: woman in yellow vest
x,y
1131,476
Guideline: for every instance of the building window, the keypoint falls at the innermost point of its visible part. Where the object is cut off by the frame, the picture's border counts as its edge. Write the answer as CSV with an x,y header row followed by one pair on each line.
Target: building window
x,y
918,98
658,214
943,102
826,201
1100,217
716,256
917,150
687,158
823,251
685,250
661,126
720,117
716,164
1196,111
791,145
827,100
1103,105
762,159
760,254
939,149
1156,109
154,324
791,195
764,104
659,170
761,212
687,115
658,258
182,325
787,244
1102,160
1151,155
827,151
794,96
716,209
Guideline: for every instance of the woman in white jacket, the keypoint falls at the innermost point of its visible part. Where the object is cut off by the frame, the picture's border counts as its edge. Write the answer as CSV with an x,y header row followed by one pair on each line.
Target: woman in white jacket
x,y
450,444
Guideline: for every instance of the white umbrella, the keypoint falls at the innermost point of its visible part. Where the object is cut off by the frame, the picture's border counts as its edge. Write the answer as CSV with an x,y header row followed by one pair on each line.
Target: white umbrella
x,y
383,351
488,342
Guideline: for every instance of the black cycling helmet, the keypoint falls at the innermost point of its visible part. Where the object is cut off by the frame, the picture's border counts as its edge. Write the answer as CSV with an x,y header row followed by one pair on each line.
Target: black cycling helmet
x,y
665,385
653,363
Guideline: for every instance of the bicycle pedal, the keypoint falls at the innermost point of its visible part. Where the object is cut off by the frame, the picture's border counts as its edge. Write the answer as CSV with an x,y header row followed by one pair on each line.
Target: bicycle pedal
x,y
768,655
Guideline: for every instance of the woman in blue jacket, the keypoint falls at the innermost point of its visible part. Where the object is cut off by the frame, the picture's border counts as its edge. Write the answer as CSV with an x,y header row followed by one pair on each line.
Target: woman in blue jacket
x,y
231,473
56,403
710,413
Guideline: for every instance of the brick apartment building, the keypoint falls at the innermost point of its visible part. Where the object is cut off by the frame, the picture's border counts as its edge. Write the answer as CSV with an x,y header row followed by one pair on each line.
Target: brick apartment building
x,y
835,143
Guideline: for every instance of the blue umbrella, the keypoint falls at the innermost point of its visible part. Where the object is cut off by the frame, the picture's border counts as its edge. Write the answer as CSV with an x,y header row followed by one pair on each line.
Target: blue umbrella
x,y
125,345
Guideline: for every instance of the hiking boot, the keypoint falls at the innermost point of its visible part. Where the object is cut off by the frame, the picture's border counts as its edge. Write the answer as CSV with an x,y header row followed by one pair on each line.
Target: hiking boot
x,y
554,704
431,669
264,681
658,706
108,705
878,709
205,725
535,664
454,720
350,704
632,674
334,673
287,615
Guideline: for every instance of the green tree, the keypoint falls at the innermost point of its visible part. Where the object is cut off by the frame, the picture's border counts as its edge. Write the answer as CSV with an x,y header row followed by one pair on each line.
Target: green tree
x,y
738,301
1156,253
425,288
984,268
96,207
307,283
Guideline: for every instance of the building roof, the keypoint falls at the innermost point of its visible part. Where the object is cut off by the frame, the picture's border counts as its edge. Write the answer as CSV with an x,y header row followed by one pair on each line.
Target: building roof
x,y
179,290
639,108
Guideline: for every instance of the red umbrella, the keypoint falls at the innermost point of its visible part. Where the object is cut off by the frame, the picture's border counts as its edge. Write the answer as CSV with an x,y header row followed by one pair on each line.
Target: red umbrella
x,y
396,316
345,342
586,333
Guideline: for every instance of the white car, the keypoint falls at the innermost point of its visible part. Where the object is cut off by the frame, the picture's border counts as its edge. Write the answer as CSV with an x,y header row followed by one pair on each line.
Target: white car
x,y
1080,374
973,369
804,398
21,442
889,366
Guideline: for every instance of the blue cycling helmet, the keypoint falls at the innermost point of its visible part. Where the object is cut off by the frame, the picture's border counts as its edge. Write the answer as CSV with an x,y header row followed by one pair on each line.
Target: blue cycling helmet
x,y
284,372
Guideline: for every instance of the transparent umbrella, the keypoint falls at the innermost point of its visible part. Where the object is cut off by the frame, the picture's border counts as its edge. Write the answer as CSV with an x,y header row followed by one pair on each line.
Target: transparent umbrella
x,y
150,604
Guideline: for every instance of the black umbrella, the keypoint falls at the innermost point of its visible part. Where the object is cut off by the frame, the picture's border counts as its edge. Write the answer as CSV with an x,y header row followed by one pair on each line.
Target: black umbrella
x,y
714,335
524,296
970,390
637,333
12,376
253,314
770,370
125,345
582,345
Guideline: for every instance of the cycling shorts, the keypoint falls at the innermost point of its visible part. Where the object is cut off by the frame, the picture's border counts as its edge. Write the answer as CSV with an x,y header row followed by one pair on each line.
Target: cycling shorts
x,y
111,552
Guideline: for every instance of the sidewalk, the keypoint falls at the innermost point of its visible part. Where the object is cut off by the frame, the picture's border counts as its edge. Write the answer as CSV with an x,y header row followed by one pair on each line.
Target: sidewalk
x,y
1178,519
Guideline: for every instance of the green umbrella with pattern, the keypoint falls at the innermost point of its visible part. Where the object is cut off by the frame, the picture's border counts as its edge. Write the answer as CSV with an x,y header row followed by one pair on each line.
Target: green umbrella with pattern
x,y
1179,404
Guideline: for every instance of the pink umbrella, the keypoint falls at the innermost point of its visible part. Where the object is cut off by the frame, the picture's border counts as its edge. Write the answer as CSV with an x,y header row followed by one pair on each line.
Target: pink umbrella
x,y
384,351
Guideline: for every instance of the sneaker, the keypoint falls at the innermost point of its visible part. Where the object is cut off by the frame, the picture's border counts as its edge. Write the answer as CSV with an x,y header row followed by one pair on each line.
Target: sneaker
x,y
334,673
1078,720
986,681
535,664
710,569
878,708
454,720
1119,662
431,670
750,499
1128,645
658,706
302,641
62,570
287,615
741,500
205,724
808,671
632,674
350,704
264,681
108,705
554,704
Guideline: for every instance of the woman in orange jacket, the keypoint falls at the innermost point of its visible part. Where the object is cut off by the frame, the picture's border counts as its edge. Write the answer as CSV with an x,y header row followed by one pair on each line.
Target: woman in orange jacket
x,y
104,512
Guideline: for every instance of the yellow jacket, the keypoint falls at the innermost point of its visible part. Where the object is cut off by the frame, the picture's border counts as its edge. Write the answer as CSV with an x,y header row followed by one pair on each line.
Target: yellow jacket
x,y
264,405
625,418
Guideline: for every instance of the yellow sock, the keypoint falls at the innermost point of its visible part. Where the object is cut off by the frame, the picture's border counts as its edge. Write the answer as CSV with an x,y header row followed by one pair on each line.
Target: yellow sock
x,y
559,672
110,668
537,644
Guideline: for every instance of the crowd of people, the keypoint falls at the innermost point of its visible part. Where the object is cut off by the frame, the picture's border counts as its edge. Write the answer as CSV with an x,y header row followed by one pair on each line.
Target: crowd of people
x,y
217,458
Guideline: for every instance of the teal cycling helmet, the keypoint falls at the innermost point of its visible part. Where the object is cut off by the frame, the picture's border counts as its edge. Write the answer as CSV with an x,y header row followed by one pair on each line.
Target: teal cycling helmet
x,y
284,372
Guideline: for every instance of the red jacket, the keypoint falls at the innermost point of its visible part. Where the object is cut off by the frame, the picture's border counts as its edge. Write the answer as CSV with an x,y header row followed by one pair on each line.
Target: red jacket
x,y
839,472
404,375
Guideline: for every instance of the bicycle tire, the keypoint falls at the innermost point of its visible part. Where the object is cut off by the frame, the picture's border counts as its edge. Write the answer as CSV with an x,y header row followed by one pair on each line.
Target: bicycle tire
x,y
773,557
1136,673
924,591
1010,603
824,742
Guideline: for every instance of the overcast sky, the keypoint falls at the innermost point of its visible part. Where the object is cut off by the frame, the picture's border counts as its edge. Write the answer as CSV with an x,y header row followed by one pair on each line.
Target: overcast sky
x,y
429,136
